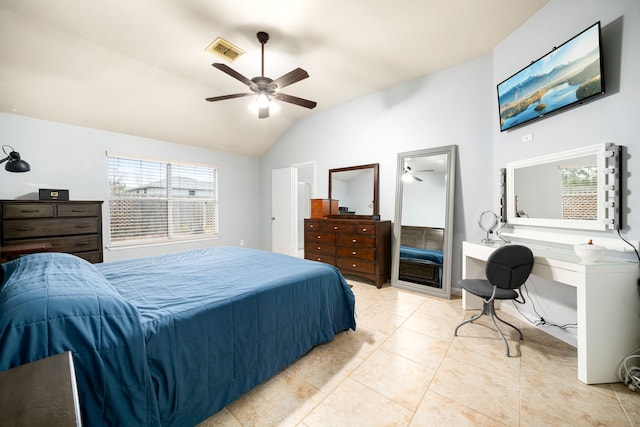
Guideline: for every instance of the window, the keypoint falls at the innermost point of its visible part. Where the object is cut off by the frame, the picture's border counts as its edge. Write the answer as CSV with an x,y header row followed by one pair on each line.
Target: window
x,y
579,192
151,201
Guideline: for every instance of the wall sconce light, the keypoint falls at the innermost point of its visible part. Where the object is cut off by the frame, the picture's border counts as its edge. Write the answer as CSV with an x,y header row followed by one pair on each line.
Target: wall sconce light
x,y
14,162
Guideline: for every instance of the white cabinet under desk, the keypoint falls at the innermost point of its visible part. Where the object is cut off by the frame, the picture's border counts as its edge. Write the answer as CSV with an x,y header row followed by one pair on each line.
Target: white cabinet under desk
x,y
608,304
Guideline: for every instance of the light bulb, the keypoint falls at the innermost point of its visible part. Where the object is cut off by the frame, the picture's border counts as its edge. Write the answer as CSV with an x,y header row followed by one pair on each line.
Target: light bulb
x,y
263,100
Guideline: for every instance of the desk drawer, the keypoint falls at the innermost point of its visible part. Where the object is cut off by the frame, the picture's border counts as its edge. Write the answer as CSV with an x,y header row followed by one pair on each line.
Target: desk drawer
x,y
36,210
22,229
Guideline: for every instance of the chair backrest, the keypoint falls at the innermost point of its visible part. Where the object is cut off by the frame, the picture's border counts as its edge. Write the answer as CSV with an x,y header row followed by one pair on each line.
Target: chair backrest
x,y
509,266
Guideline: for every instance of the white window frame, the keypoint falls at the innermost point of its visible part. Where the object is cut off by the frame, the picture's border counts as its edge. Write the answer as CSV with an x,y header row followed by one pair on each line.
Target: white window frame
x,y
210,221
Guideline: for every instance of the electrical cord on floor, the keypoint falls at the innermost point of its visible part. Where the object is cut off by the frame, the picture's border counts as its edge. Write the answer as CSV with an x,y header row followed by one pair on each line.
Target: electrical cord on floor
x,y
541,320
630,374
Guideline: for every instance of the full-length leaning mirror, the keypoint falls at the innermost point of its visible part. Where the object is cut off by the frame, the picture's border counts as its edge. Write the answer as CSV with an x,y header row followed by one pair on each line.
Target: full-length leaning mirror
x,y
423,225
356,189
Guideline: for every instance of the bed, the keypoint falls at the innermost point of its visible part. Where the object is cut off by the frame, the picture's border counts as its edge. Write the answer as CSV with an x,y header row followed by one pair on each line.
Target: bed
x,y
170,339
421,255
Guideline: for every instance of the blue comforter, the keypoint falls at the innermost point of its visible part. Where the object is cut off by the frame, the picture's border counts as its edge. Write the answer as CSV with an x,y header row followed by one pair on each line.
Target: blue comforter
x,y
172,339
416,254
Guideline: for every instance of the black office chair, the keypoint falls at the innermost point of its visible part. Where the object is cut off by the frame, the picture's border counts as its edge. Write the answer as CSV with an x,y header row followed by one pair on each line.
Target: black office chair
x,y
507,268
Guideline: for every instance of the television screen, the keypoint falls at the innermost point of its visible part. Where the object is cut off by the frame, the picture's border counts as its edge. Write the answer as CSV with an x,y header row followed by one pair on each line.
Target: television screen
x,y
568,75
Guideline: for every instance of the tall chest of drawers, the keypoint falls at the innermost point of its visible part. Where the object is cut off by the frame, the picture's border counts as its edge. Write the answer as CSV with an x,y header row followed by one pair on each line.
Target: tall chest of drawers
x,y
73,227
357,247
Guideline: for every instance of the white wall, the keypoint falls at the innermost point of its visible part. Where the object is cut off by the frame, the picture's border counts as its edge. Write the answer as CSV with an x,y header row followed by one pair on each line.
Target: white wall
x,y
73,158
459,106
611,118
446,108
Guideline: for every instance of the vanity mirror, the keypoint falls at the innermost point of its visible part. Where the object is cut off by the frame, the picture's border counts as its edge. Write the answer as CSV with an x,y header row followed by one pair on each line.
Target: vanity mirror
x,y
423,226
356,189
576,189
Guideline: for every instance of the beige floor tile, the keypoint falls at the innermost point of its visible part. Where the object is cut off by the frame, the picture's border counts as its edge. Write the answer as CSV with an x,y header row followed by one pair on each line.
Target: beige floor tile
x,y
401,380
221,419
416,346
283,400
436,410
325,367
355,405
403,367
490,393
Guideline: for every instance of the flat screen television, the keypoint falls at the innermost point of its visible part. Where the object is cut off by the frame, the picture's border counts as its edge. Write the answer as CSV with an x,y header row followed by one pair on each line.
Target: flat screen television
x,y
568,75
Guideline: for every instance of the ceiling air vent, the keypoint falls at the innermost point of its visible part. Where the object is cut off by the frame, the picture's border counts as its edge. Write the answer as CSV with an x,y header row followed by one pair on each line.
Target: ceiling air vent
x,y
224,49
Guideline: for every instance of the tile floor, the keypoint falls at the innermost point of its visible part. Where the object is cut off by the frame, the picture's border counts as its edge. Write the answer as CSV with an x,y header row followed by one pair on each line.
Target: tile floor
x,y
403,367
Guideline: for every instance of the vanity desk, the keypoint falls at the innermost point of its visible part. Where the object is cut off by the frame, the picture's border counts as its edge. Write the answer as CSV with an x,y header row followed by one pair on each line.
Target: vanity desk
x,y
608,304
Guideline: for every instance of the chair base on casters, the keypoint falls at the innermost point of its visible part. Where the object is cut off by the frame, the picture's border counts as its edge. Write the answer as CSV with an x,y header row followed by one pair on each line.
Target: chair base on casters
x,y
488,309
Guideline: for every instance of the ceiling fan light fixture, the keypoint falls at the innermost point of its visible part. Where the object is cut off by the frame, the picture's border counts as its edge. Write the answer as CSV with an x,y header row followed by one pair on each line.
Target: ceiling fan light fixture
x,y
263,100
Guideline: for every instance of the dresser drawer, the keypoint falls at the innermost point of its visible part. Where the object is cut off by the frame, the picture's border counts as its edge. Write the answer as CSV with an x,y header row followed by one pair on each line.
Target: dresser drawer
x,y
89,242
93,256
24,210
319,237
357,240
312,226
329,259
357,252
339,227
368,229
79,209
21,229
356,265
320,248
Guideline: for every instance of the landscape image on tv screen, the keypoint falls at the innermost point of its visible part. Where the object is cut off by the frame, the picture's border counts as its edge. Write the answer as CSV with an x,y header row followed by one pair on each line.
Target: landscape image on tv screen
x,y
568,75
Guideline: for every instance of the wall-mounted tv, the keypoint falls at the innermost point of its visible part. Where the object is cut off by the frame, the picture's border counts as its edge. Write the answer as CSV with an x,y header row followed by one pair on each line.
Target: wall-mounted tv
x,y
568,75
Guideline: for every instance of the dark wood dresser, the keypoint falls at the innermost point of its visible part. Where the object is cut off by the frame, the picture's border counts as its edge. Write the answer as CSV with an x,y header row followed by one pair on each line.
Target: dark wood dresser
x,y
73,227
358,247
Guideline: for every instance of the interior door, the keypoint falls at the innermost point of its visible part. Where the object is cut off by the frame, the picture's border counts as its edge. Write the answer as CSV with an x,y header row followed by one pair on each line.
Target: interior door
x,y
284,201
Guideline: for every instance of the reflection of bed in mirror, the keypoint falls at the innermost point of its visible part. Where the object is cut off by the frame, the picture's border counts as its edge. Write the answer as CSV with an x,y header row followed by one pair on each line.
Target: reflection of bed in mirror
x,y
421,255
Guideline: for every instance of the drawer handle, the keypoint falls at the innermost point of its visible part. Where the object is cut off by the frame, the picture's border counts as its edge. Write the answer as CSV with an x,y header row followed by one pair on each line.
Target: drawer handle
x,y
354,265
335,227
311,226
364,230
319,237
82,226
77,210
29,210
25,228
354,241
354,253
319,248
319,259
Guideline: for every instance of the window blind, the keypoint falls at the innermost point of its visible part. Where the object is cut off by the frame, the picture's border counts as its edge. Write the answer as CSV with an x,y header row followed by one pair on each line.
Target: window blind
x,y
157,201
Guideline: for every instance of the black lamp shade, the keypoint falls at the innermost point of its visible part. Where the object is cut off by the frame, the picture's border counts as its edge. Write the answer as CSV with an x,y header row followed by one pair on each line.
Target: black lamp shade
x,y
15,164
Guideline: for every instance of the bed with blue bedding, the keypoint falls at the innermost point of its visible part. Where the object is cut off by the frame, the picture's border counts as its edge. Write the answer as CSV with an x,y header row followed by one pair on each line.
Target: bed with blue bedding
x,y
170,339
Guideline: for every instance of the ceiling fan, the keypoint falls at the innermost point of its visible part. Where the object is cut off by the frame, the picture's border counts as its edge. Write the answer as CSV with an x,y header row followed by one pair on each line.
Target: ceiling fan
x,y
264,87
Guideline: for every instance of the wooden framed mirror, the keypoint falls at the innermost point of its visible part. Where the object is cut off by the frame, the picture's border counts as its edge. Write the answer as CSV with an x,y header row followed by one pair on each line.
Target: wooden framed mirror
x,y
356,189
423,227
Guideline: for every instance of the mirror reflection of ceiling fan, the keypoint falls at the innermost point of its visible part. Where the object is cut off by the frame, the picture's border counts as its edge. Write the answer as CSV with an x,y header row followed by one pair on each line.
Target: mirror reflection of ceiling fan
x,y
266,88
409,174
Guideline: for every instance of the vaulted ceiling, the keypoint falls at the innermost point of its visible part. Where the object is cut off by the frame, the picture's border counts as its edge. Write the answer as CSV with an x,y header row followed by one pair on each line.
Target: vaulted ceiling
x,y
140,67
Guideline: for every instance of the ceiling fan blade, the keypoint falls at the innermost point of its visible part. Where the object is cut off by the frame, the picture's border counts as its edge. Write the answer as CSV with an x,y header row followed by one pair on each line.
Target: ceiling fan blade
x,y
295,100
263,113
291,77
416,178
223,97
233,73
